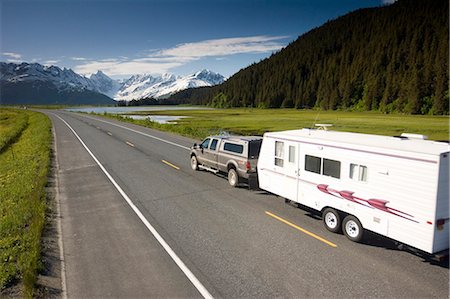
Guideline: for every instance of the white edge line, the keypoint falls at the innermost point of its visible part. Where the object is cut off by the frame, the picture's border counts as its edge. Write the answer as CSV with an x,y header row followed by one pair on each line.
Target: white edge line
x,y
136,131
58,222
198,285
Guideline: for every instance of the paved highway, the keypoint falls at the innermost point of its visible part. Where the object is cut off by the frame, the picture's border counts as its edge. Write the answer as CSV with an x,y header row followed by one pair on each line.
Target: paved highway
x,y
138,222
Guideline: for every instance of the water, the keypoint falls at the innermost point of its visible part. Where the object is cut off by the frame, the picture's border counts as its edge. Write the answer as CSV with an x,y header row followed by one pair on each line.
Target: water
x,y
124,110
162,119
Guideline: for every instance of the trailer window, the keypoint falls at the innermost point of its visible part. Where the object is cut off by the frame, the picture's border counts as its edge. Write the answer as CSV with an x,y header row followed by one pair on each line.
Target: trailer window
x,y
232,147
363,173
353,171
358,172
332,168
329,167
279,153
291,154
313,164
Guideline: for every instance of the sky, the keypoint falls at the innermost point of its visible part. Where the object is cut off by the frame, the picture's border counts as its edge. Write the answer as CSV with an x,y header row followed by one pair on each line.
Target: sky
x,y
127,37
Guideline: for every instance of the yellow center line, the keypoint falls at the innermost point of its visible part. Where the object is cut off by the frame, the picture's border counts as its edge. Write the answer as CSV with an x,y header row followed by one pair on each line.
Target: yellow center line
x,y
302,230
130,144
170,164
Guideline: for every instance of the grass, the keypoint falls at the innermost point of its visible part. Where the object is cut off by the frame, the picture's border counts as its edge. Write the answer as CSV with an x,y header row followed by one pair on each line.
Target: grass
x,y
248,121
12,123
24,166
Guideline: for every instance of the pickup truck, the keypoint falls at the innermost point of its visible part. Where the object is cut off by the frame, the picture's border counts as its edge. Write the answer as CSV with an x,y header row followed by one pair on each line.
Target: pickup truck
x,y
236,156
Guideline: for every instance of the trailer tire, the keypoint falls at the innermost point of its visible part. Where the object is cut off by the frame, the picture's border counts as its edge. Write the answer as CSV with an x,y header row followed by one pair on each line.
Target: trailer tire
x,y
332,220
233,177
194,162
352,228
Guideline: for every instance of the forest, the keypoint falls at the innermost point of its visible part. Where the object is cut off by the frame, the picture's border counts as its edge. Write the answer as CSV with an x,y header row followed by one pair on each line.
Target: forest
x,y
391,58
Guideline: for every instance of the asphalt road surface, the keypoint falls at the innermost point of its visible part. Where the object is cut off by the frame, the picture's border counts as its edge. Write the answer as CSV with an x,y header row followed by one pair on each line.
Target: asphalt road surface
x,y
211,239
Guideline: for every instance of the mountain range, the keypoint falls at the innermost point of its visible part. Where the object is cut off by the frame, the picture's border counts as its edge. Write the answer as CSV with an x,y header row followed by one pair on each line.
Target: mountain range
x,y
160,87
33,83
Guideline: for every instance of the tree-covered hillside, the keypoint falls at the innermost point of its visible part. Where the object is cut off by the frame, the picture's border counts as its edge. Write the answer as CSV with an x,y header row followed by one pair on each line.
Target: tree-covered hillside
x,y
393,59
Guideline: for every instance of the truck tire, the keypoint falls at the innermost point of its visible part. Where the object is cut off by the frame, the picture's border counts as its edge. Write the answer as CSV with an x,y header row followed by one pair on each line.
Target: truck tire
x,y
352,228
194,163
233,177
332,220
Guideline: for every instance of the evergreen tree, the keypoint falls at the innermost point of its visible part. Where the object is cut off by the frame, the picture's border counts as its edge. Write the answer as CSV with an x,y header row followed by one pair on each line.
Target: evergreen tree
x,y
391,58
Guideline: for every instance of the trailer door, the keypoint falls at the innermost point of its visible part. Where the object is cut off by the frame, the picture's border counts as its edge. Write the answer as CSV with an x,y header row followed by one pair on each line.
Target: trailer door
x,y
292,169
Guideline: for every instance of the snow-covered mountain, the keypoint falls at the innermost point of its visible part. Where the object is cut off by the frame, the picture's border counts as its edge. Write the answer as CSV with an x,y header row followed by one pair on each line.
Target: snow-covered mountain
x,y
104,84
144,86
147,86
34,83
61,78
135,88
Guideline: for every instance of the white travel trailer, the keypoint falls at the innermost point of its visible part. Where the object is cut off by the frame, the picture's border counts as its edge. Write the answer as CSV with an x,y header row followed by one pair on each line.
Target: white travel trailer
x,y
397,187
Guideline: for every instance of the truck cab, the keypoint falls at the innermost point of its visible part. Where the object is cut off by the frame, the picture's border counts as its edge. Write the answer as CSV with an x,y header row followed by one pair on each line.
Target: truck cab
x,y
236,156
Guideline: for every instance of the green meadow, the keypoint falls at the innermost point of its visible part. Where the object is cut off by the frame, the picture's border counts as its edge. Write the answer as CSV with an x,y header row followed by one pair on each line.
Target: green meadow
x,y
24,164
248,121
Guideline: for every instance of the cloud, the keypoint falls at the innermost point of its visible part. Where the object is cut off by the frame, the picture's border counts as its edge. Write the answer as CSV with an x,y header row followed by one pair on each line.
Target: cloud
x,y
78,58
50,62
12,57
162,61
121,67
225,46
387,2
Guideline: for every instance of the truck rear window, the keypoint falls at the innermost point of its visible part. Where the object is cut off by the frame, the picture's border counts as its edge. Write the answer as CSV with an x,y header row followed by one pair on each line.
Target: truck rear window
x,y
254,148
232,147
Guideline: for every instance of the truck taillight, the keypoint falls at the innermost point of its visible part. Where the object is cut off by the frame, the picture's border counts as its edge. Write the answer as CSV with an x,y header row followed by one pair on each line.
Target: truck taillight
x,y
248,166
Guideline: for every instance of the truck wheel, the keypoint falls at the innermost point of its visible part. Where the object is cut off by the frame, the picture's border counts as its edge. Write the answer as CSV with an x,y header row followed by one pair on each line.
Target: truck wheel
x,y
233,178
332,220
194,163
352,228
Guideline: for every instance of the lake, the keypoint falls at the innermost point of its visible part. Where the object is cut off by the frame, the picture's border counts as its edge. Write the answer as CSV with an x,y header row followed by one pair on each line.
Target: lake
x,y
162,119
124,110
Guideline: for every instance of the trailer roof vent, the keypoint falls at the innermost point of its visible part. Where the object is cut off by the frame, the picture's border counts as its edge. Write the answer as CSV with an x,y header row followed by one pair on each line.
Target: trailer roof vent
x,y
323,126
414,136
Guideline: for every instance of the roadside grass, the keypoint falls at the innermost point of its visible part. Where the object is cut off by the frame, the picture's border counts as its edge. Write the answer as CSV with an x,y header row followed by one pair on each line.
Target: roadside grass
x,y
12,123
49,107
24,166
253,121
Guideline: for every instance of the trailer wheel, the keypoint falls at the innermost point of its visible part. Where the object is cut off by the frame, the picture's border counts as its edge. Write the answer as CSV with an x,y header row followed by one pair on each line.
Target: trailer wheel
x,y
332,220
233,177
194,163
352,228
